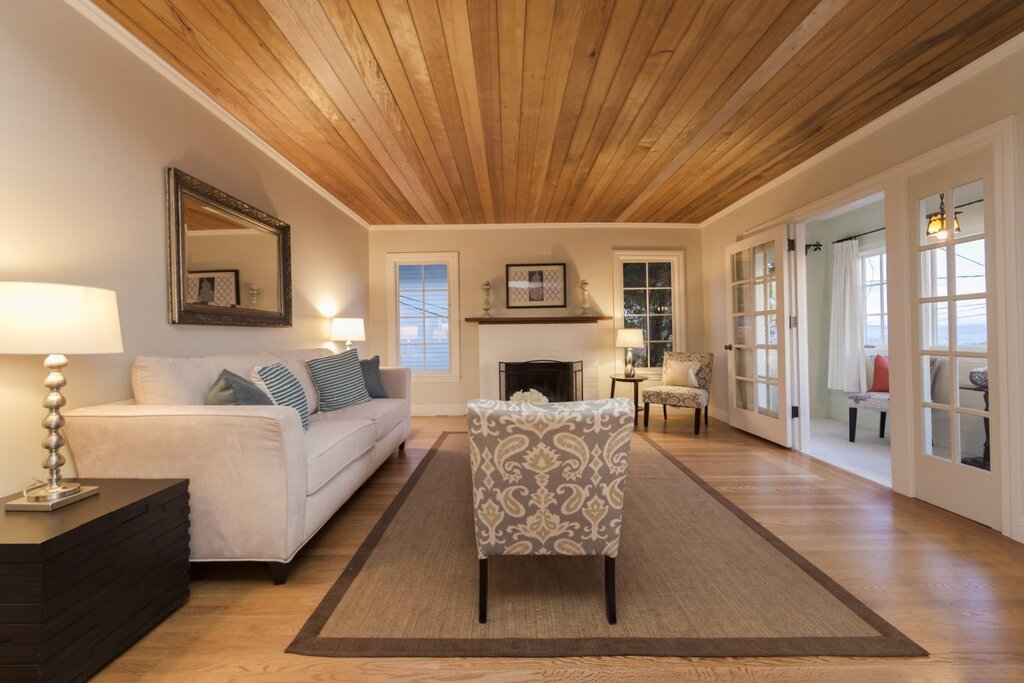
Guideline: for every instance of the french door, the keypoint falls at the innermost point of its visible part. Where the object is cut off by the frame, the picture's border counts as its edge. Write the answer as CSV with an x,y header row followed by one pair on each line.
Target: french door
x,y
757,336
951,214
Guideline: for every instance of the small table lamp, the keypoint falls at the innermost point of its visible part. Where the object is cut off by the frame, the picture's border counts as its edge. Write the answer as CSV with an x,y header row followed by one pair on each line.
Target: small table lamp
x,y
347,330
629,339
35,319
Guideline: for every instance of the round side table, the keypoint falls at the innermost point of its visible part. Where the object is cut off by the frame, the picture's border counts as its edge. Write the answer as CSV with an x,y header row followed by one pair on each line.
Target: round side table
x,y
635,381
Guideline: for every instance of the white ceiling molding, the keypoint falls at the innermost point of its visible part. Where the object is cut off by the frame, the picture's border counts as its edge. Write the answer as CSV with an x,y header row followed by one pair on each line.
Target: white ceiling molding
x,y
120,34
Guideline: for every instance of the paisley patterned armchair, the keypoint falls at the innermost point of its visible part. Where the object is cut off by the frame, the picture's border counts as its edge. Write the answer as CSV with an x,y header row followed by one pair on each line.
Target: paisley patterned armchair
x,y
696,397
549,479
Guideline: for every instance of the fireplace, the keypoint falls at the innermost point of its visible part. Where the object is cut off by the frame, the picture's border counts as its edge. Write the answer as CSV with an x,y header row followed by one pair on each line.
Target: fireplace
x,y
557,380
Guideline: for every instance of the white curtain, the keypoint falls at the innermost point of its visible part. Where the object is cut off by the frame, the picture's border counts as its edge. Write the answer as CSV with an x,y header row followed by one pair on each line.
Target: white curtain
x,y
846,367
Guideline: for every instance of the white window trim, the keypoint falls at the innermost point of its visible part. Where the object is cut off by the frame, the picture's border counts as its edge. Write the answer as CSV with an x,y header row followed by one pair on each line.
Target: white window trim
x,y
450,259
677,259
883,348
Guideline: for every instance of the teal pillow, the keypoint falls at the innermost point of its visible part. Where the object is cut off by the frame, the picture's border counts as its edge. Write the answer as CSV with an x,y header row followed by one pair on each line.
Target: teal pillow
x,y
338,380
371,377
283,388
234,390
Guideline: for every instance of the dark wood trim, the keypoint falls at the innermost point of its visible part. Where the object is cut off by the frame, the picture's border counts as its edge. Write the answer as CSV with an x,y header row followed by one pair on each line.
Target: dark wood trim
x,y
538,320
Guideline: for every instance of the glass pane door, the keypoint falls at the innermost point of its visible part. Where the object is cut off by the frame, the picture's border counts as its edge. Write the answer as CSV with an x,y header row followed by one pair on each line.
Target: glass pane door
x,y
755,329
957,463
757,394
953,331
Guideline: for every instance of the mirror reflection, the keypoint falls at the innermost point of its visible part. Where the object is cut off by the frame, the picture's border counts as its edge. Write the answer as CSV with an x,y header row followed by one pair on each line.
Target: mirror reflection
x,y
231,262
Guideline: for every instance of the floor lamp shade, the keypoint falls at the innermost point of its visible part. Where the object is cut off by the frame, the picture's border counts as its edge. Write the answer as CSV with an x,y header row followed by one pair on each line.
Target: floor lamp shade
x,y
38,318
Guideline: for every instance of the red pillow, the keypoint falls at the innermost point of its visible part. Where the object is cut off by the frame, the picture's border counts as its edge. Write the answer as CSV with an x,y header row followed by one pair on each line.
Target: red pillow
x,y
880,380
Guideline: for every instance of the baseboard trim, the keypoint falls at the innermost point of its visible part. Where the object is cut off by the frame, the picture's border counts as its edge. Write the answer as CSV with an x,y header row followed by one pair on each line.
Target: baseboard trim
x,y
439,409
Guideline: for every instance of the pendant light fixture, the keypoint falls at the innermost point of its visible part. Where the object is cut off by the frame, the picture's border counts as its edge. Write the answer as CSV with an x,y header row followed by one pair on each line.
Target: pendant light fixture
x,y
937,221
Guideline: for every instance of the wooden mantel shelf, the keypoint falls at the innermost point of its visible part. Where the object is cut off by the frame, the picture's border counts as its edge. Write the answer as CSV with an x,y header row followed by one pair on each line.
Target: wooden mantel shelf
x,y
546,320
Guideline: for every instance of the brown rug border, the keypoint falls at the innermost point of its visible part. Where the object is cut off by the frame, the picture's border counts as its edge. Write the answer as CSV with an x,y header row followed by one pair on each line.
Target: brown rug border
x,y
891,642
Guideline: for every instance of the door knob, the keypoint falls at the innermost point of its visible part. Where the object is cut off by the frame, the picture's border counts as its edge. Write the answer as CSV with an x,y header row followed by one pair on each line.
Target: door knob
x,y
728,347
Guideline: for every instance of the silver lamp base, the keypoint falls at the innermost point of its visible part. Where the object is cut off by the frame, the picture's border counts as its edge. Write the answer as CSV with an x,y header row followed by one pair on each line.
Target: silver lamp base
x,y
38,500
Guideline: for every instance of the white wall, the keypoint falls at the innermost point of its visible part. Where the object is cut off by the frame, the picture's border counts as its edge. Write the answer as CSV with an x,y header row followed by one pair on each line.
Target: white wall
x,y
483,254
87,131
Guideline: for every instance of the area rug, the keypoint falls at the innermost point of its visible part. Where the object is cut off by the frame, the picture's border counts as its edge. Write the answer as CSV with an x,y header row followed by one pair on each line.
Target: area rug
x,y
697,577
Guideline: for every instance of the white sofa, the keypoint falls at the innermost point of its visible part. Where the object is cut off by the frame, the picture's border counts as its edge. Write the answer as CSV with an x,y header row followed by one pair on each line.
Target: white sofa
x,y
260,486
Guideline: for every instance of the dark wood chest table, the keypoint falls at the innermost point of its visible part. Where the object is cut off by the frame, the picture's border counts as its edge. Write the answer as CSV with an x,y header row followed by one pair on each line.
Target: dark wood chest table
x,y
80,584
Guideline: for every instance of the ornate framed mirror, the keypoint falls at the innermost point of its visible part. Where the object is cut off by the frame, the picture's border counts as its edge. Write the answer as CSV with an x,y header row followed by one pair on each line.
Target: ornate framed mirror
x,y
229,262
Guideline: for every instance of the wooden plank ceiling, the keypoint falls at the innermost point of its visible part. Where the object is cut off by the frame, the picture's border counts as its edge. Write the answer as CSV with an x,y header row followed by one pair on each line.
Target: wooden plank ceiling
x,y
492,111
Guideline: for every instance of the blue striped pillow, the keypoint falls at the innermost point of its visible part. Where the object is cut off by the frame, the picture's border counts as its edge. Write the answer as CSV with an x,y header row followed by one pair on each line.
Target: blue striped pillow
x,y
283,388
338,380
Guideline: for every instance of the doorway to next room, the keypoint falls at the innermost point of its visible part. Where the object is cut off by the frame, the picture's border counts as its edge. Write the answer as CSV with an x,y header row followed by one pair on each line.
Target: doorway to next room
x,y
847,339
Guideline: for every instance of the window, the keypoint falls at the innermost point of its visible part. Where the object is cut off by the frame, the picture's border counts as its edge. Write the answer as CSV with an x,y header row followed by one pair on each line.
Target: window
x,y
876,314
648,296
423,330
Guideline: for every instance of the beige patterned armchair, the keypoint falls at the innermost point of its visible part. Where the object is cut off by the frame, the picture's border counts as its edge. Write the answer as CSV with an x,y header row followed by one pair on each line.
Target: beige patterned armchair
x,y
549,479
696,397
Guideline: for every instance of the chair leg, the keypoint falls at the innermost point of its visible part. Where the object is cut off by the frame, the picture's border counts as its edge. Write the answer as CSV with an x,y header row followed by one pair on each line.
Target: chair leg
x,y
664,411
707,409
483,591
609,589
881,425
696,421
853,424
647,414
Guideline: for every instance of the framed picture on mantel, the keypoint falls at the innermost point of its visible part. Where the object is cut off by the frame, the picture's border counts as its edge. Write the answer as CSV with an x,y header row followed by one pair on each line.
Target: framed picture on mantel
x,y
535,285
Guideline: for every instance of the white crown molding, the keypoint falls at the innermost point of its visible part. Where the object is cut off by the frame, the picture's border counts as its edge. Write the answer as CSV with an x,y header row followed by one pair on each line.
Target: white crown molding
x,y
611,225
989,59
120,34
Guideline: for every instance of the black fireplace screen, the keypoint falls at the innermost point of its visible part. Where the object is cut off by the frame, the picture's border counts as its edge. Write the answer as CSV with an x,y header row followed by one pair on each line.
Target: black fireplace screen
x,y
557,380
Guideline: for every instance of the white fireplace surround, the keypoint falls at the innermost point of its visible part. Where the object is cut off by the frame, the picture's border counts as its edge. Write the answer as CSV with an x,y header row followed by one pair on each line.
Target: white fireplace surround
x,y
568,342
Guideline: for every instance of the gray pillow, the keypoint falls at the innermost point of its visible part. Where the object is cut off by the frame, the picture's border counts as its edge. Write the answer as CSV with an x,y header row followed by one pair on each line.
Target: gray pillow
x,y
371,377
234,390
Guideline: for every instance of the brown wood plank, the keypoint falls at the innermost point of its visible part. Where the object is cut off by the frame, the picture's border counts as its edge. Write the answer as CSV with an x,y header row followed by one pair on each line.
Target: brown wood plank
x,y
365,20
876,79
477,111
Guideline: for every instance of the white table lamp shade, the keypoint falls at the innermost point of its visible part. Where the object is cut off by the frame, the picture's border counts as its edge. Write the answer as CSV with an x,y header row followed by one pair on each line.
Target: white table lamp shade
x,y
632,338
347,329
38,318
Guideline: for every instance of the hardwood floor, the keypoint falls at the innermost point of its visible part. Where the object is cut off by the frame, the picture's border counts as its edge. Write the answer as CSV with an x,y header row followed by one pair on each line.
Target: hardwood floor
x,y
955,587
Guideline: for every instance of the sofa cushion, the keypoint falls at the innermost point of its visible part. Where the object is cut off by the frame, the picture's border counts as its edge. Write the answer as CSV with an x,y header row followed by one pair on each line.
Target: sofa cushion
x,y
338,380
234,390
173,381
296,361
284,389
385,413
371,377
332,445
